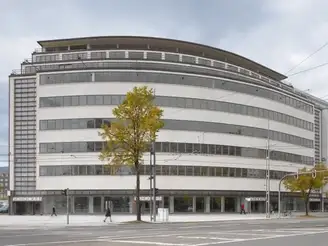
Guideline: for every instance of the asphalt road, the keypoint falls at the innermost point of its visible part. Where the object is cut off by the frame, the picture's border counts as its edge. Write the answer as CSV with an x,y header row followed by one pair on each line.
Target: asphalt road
x,y
300,232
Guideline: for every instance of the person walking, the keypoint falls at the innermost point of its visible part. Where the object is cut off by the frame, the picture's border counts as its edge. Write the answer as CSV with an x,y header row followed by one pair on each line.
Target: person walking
x,y
53,211
108,214
242,209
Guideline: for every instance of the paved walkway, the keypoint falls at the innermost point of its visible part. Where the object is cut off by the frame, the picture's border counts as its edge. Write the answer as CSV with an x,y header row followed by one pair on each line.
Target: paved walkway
x,y
24,221
96,220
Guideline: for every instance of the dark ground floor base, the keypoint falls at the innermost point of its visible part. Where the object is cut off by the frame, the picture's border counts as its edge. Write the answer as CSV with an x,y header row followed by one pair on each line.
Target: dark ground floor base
x,y
93,202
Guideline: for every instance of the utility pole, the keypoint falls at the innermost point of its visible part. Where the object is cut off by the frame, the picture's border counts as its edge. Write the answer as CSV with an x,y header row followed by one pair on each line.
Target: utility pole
x,y
67,205
268,210
153,149
154,181
151,184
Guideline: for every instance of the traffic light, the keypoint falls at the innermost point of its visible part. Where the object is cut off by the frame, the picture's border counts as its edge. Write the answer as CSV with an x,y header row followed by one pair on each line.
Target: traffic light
x,y
156,191
64,192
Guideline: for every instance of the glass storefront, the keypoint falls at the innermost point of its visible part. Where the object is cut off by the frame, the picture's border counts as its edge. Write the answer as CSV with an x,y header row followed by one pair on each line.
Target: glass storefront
x,y
200,204
183,204
97,204
215,204
118,204
60,204
230,204
180,204
81,204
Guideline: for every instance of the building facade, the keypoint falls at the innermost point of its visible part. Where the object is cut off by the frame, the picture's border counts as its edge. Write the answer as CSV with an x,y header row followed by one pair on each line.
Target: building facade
x,y
222,112
4,182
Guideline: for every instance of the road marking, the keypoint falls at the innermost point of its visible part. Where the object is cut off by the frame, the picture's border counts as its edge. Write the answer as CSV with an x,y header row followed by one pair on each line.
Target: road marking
x,y
54,242
32,235
194,227
261,238
148,242
244,233
144,236
210,238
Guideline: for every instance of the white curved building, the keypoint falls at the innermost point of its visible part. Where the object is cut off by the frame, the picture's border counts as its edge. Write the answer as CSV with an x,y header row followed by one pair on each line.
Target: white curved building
x,y
220,110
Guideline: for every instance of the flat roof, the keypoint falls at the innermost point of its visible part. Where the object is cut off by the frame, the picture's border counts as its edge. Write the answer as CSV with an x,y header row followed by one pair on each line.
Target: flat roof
x,y
169,44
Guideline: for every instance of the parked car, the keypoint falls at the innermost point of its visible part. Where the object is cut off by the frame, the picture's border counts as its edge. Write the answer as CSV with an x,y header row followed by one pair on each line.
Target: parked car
x,y
4,209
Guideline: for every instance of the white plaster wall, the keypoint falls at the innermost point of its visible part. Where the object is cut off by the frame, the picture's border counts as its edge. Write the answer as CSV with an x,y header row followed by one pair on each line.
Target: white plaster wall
x,y
166,182
113,88
162,182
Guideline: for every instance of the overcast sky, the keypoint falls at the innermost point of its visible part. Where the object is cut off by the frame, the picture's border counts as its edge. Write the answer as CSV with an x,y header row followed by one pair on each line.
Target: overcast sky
x,y
276,33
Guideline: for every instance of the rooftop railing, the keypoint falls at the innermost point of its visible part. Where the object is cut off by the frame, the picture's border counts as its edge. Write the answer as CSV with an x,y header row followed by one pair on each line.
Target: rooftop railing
x,y
88,57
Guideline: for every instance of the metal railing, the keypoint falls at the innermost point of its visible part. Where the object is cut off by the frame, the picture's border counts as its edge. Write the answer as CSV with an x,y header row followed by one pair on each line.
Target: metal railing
x,y
249,72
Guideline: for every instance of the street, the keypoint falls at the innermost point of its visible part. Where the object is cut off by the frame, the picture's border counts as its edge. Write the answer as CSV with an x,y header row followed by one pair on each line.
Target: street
x,y
301,232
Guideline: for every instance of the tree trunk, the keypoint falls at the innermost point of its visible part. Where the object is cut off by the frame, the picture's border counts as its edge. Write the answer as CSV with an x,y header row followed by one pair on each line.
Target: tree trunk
x,y
306,203
306,200
138,204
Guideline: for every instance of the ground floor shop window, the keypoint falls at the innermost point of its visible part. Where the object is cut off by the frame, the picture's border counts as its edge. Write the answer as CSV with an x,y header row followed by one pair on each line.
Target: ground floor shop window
x,y
183,204
200,204
120,204
215,204
97,204
166,202
230,204
81,204
60,204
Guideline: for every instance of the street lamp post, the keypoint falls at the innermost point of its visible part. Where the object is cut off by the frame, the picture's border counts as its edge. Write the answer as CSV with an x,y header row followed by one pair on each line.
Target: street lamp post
x,y
154,182
151,186
268,173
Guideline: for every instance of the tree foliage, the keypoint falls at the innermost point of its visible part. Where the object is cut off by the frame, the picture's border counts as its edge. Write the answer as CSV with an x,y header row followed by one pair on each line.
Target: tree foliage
x,y
128,137
306,183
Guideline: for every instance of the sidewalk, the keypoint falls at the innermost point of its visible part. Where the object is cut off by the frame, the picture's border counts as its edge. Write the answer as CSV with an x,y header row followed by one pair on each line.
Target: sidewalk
x,y
97,220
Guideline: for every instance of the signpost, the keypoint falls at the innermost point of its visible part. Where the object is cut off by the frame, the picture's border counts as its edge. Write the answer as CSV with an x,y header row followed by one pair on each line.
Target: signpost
x,y
66,193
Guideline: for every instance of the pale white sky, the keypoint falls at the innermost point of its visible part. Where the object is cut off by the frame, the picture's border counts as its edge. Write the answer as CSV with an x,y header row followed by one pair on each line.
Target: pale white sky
x,y
276,33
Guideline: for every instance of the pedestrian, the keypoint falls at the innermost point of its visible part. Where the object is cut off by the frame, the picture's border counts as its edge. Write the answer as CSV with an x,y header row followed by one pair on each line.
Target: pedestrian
x,y
53,211
108,214
242,209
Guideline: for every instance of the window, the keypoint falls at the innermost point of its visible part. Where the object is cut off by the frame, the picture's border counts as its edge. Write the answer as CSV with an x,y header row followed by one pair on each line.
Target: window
x,y
225,150
98,123
99,100
91,100
67,101
91,123
75,100
174,147
83,100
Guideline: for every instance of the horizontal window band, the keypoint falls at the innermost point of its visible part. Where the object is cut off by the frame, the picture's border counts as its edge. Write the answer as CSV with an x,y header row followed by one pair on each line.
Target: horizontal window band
x,y
178,102
161,170
184,125
169,78
175,147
